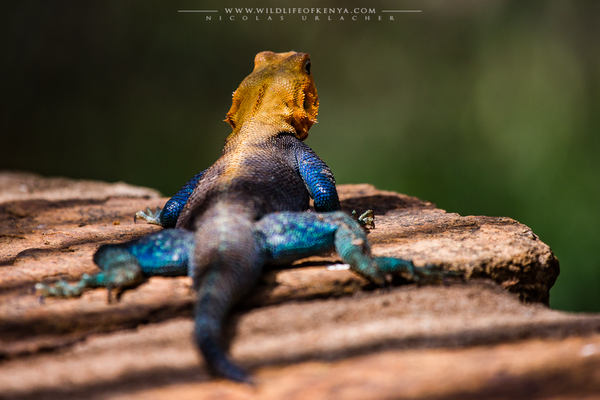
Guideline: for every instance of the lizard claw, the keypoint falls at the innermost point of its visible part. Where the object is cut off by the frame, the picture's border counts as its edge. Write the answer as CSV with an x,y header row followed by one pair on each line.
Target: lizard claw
x,y
366,219
58,289
114,293
429,273
109,298
433,273
149,216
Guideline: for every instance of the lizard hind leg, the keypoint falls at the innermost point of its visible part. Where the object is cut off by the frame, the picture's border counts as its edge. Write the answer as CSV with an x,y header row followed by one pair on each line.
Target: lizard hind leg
x,y
120,270
125,265
352,245
290,236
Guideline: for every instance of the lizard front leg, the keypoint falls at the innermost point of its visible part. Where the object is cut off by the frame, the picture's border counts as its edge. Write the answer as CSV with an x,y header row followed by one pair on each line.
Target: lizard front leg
x,y
320,183
167,216
317,177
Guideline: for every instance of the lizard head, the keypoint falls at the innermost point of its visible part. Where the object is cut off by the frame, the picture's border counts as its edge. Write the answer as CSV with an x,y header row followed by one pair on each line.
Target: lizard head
x,y
280,91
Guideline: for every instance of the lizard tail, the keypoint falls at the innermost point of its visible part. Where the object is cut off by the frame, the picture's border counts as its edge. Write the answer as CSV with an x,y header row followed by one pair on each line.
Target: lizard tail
x,y
207,333
227,265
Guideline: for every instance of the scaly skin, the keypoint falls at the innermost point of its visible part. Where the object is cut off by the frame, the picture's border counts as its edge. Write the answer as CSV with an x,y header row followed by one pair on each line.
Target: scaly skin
x,y
264,168
247,210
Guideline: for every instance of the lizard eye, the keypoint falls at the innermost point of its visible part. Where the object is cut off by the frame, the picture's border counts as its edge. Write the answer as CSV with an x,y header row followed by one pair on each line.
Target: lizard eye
x,y
307,66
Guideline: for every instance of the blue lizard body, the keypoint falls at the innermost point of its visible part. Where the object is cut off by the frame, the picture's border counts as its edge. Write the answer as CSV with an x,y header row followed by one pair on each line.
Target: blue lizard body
x,y
248,210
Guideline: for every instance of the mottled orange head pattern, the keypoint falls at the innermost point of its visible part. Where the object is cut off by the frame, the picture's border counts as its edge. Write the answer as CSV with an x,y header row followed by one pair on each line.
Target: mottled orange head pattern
x,y
280,92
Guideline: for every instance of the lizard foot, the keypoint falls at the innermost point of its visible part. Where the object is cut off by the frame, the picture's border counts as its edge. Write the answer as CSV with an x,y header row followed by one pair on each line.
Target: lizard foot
x,y
149,216
117,279
365,220
429,273
60,289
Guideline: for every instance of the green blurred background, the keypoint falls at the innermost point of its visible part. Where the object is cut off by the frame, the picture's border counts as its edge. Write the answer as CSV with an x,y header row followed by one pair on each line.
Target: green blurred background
x,y
482,107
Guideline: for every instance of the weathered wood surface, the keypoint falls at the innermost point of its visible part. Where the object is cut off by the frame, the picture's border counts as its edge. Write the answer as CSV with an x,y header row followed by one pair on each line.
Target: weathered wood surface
x,y
305,331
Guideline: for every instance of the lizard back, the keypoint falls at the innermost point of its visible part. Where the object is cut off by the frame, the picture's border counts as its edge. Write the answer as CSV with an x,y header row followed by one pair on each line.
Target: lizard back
x,y
271,113
264,179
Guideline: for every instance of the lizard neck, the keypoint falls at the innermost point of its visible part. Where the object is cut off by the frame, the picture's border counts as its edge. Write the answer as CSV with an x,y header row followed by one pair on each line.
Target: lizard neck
x,y
257,129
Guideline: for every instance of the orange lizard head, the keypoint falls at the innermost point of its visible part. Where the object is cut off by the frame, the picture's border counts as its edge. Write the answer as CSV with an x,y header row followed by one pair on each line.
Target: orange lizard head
x,y
279,92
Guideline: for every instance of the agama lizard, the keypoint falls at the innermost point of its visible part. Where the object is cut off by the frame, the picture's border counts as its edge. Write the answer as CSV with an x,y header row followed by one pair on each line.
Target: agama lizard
x,y
248,210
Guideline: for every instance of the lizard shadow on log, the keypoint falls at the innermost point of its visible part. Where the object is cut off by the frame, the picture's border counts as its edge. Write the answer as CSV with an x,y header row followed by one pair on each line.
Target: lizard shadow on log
x,y
126,383
27,210
381,204
533,384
